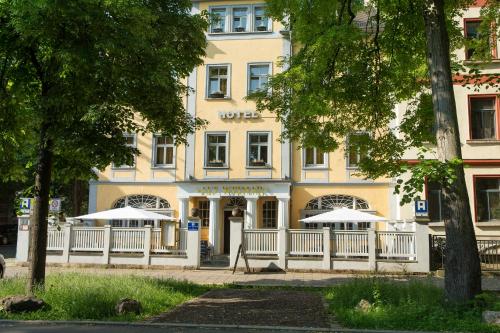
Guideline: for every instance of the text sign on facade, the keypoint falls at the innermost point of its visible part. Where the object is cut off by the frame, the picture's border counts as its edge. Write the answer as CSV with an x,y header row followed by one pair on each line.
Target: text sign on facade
x,y
233,190
239,115
421,208
193,226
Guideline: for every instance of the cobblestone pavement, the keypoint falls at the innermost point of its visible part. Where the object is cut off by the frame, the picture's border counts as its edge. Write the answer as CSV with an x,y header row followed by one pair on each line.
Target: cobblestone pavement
x,y
251,307
211,276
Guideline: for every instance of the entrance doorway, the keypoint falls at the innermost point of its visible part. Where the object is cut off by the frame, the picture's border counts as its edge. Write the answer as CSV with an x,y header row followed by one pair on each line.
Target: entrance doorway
x,y
227,231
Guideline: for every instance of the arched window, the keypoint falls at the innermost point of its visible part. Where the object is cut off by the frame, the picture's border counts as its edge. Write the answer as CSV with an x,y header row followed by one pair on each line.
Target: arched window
x,y
329,202
142,201
234,202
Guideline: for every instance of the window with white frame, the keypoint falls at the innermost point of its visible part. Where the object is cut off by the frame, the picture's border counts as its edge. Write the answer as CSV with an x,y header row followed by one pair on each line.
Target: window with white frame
x,y
240,19
218,78
261,21
216,150
219,17
130,141
314,157
258,149
258,75
357,149
204,212
269,214
163,151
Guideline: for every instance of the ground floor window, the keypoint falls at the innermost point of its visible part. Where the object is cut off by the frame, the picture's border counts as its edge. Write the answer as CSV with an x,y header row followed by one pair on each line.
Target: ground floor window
x,y
204,211
487,198
436,204
269,214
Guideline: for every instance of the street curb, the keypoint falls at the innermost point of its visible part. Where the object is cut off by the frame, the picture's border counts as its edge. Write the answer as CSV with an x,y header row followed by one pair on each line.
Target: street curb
x,y
4,322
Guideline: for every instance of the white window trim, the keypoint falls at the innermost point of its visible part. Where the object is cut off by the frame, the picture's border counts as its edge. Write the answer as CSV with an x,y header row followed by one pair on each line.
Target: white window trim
x,y
127,167
207,81
251,20
154,165
205,164
314,166
269,164
250,64
348,146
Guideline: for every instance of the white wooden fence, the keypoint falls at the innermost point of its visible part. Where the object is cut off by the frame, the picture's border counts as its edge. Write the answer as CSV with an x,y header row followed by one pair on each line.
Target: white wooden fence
x,y
349,244
261,242
305,242
399,245
158,247
55,239
87,239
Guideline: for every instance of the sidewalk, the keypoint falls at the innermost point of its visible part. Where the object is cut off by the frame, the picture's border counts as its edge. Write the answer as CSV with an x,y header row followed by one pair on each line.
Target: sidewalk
x,y
211,276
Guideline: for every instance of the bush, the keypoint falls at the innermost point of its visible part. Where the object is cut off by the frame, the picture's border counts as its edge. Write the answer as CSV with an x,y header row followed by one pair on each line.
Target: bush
x,y
406,306
82,296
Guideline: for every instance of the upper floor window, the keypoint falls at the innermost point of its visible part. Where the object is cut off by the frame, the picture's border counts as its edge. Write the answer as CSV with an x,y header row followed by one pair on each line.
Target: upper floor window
x,y
130,141
163,147
239,19
487,198
216,150
483,118
471,30
258,149
218,20
261,21
217,85
258,75
314,157
357,149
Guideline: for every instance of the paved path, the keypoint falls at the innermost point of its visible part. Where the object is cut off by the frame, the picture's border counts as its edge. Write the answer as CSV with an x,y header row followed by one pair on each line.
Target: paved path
x,y
226,276
251,307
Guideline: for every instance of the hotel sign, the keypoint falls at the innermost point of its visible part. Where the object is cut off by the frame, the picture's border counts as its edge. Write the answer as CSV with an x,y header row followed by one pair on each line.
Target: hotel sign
x,y
232,189
239,115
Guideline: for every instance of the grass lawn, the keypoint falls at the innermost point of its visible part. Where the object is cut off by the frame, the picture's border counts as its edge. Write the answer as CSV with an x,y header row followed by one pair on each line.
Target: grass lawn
x,y
76,296
406,306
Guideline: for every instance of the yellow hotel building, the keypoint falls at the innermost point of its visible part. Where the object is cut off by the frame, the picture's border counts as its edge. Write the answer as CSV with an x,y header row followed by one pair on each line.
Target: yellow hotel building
x,y
237,160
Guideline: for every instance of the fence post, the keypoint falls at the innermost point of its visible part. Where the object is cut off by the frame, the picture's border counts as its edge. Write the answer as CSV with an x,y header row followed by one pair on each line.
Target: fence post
x,y
67,241
107,244
236,238
23,238
422,247
193,239
326,249
282,247
147,244
372,250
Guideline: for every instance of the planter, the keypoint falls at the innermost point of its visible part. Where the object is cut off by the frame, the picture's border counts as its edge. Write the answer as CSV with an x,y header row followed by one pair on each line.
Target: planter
x,y
216,95
257,163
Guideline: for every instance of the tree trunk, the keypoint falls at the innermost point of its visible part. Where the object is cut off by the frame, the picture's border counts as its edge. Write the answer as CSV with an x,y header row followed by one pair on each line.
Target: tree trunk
x,y
461,262
77,197
39,222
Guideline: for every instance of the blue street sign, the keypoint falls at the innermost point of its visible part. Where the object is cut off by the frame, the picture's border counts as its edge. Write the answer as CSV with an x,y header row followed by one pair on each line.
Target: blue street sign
x,y
193,226
421,208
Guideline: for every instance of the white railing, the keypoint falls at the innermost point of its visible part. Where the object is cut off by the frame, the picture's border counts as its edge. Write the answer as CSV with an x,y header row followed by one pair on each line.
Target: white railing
x,y
87,239
158,247
263,242
349,243
396,245
127,239
55,239
305,242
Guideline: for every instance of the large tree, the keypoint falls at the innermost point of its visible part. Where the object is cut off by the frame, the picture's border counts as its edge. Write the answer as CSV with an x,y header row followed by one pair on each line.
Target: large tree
x,y
354,62
84,72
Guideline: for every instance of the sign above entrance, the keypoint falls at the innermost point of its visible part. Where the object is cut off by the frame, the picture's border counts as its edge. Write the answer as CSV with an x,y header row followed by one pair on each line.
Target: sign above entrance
x,y
233,189
239,115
